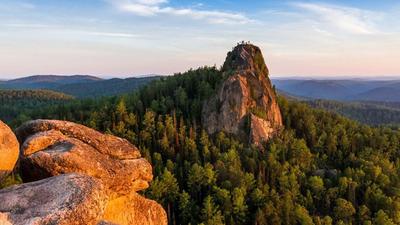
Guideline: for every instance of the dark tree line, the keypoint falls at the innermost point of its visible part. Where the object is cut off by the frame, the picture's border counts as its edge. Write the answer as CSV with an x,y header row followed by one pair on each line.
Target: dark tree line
x,y
17,106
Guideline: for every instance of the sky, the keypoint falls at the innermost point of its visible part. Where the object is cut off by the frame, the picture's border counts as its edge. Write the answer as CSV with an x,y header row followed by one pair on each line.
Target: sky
x,y
124,38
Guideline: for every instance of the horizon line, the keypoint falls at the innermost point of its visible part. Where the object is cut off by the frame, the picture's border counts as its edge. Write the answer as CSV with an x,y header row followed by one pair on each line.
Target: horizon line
x,y
272,76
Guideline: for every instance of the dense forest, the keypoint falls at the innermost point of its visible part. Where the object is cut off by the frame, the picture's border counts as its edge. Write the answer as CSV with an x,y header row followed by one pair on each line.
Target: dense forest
x,y
79,86
372,113
321,169
18,105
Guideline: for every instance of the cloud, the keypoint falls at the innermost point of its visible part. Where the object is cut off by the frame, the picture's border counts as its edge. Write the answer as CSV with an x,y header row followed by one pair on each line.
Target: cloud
x,y
151,2
160,7
112,34
352,20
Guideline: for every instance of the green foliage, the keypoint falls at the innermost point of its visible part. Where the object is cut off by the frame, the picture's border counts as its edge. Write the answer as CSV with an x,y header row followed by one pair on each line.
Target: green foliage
x,y
210,213
373,113
10,180
382,219
10,96
321,169
17,106
302,216
259,112
343,210
259,61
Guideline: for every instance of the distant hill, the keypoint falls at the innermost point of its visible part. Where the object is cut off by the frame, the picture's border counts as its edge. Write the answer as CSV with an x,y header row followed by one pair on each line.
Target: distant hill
x,y
349,90
387,93
105,87
372,113
55,79
16,105
322,89
81,86
290,96
46,81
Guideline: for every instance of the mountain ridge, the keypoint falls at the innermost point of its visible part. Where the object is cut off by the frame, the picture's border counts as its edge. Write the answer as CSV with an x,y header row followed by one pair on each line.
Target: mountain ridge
x,y
81,86
53,78
342,90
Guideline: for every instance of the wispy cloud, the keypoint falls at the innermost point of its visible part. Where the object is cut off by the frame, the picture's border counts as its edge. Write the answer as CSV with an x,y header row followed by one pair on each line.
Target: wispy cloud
x,y
352,20
160,7
113,34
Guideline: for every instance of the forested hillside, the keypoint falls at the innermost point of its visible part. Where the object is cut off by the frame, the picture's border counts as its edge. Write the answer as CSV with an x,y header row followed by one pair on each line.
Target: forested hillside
x,y
46,81
80,86
367,112
372,113
343,89
109,87
18,105
321,169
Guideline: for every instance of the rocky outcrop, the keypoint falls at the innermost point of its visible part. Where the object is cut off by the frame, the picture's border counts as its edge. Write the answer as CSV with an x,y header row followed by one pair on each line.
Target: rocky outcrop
x,y
134,209
66,199
245,104
110,170
9,150
106,144
52,147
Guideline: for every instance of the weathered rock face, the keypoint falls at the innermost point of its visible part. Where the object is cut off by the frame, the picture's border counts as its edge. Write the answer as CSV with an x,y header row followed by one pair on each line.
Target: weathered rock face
x,y
245,104
9,150
135,210
52,148
107,144
71,199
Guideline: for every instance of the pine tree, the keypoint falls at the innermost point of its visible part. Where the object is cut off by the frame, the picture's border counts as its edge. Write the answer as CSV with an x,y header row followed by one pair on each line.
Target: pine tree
x,y
210,214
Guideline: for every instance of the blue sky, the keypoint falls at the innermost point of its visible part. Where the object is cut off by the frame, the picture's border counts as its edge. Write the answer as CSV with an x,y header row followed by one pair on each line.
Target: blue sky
x,y
121,38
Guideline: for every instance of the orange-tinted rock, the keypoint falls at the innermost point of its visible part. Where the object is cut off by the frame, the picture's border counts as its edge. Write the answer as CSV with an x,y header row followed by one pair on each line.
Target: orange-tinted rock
x,y
135,210
4,219
106,144
52,147
9,150
68,147
245,105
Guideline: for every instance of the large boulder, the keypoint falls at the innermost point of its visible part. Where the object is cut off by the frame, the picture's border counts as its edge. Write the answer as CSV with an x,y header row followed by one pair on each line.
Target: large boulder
x,y
245,105
9,150
107,144
71,199
52,147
